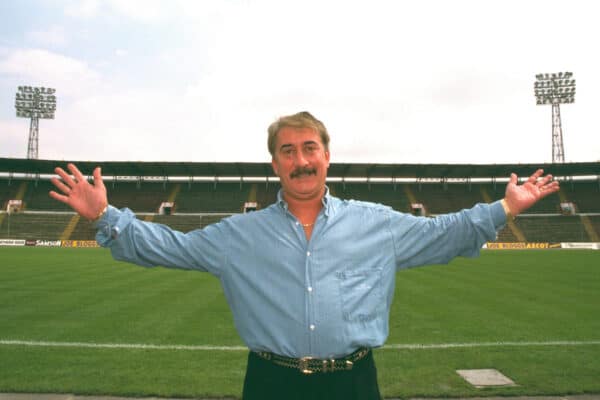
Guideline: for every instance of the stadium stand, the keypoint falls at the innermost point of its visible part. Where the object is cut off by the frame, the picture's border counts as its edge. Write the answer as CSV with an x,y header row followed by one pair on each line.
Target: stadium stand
x,y
585,195
382,193
267,193
220,197
552,228
441,198
186,223
595,221
43,226
506,235
36,197
143,196
201,202
8,190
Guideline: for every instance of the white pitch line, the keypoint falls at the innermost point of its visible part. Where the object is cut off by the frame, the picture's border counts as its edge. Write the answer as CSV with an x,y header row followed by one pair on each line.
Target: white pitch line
x,y
489,344
135,346
139,346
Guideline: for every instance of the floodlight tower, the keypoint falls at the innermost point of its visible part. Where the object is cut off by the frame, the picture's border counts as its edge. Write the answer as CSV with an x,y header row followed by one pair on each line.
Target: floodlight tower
x,y
555,89
35,103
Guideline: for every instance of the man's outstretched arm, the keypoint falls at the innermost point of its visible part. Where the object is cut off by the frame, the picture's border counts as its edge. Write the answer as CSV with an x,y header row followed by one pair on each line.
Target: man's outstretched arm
x,y
424,241
131,239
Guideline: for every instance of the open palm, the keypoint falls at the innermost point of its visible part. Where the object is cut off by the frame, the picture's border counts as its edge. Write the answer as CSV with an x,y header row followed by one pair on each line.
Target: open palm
x,y
88,200
520,197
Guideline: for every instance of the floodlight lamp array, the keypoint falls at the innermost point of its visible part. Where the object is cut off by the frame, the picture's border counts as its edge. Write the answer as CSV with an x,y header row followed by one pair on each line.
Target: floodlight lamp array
x,y
554,88
35,102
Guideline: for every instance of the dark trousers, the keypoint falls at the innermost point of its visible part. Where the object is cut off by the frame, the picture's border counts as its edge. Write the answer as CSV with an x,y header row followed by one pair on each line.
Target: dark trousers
x,y
268,381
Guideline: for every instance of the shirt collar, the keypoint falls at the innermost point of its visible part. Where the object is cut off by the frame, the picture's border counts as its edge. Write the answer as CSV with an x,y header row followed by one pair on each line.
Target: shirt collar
x,y
326,200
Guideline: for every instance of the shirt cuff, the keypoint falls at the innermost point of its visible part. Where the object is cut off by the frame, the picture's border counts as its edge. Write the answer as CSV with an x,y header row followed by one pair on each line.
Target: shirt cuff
x,y
110,225
498,215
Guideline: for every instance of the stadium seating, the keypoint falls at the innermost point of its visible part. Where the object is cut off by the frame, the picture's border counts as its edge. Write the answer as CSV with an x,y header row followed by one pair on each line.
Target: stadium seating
x,y
507,236
585,195
552,228
595,221
383,193
45,226
8,191
140,196
200,203
440,198
206,197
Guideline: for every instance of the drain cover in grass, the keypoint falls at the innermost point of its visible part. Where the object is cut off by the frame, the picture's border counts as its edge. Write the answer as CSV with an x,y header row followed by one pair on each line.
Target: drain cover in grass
x,y
485,377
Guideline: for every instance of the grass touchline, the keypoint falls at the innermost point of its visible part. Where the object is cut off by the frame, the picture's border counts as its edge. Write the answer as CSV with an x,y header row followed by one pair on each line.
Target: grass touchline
x,y
411,346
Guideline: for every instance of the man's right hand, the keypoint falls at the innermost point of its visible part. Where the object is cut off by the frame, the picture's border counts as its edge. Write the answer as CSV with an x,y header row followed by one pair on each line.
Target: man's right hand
x,y
86,199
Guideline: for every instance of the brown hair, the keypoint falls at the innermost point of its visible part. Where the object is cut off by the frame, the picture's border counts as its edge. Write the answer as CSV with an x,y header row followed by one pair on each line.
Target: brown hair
x,y
303,119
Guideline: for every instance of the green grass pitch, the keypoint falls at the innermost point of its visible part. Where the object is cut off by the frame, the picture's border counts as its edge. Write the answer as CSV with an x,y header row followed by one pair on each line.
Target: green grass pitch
x,y
533,315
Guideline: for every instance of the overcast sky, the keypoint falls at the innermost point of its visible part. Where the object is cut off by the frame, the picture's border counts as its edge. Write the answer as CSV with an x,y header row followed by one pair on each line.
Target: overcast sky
x,y
394,81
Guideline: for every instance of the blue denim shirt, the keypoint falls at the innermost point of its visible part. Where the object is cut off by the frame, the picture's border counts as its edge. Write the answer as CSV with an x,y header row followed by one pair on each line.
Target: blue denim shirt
x,y
324,297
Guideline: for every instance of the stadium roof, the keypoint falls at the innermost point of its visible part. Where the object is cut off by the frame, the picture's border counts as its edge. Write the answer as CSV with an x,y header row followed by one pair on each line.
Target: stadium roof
x,y
264,170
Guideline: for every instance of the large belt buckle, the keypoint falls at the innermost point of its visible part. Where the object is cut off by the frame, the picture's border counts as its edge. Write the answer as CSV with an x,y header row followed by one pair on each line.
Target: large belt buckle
x,y
303,365
349,365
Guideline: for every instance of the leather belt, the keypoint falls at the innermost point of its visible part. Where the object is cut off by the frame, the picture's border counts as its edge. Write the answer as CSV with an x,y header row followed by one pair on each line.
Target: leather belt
x,y
309,365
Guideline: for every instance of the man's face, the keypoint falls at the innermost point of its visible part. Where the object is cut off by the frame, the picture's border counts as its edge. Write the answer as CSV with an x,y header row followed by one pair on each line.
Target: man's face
x,y
301,162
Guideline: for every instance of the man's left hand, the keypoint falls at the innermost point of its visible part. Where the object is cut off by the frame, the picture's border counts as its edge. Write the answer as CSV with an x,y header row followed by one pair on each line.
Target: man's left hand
x,y
519,198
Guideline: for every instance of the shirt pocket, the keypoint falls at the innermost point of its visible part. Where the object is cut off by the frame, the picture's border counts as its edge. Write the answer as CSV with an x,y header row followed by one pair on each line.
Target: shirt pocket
x,y
361,293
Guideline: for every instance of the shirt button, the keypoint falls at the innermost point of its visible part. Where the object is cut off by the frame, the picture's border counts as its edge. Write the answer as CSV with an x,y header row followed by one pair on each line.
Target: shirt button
x,y
309,288
312,327
308,253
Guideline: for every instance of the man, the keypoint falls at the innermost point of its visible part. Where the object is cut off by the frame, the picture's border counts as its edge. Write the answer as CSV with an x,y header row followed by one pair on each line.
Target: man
x,y
310,278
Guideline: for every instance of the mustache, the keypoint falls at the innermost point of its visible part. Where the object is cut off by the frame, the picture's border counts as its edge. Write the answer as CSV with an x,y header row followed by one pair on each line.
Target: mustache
x,y
303,171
